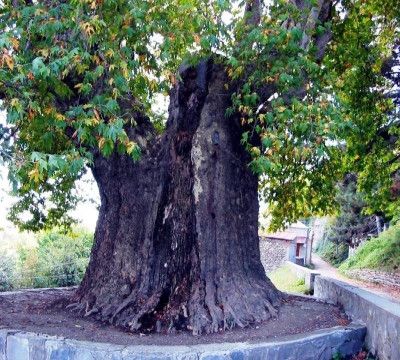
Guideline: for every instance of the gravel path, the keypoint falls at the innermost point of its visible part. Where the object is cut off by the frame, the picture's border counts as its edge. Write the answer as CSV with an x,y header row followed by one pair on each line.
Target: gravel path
x,y
44,311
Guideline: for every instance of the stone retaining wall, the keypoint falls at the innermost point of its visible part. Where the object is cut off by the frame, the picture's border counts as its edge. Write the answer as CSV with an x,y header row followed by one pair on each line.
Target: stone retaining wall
x,y
273,253
380,315
321,345
376,276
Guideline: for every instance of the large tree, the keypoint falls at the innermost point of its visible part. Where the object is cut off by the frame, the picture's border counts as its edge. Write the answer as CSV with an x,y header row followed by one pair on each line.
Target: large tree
x,y
253,106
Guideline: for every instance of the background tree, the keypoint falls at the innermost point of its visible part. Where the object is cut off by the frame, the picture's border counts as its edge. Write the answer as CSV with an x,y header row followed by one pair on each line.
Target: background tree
x,y
350,227
254,102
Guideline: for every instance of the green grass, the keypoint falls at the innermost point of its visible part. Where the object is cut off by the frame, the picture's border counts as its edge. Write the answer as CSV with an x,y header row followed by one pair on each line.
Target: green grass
x,y
285,280
382,253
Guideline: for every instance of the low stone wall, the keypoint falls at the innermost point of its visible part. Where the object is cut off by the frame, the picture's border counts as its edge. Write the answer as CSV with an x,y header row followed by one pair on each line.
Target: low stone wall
x,y
320,345
380,315
304,273
273,253
376,276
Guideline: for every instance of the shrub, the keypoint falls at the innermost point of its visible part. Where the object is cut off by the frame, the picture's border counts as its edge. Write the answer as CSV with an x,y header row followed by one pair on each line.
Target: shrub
x,y
332,252
382,252
58,260
7,272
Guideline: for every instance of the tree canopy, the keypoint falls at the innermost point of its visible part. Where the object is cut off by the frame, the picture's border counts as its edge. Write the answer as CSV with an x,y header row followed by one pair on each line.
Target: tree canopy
x,y
309,91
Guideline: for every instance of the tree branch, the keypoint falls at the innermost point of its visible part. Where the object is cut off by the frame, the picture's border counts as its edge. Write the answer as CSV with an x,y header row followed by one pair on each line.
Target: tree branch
x,y
10,135
253,12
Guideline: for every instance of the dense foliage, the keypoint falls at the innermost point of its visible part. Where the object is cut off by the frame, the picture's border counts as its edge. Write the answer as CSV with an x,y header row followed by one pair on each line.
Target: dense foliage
x,y
7,272
373,145
382,253
72,75
334,253
59,259
75,75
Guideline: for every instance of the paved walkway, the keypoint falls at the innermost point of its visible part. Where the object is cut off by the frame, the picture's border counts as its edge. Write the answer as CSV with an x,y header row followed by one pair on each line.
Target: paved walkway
x,y
326,269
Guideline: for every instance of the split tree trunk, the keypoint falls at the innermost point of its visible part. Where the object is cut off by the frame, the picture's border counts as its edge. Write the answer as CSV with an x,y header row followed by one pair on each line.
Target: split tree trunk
x,y
176,244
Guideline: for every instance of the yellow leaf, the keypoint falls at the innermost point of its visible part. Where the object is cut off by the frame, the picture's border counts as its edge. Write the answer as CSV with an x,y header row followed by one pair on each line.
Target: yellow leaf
x,y
102,141
48,110
44,52
96,114
255,151
130,146
87,28
39,11
124,68
60,117
15,43
9,61
110,53
281,109
153,85
96,59
14,102
34,175
238,71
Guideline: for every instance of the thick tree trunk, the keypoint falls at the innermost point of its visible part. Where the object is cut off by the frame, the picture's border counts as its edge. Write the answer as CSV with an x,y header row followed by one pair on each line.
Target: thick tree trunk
x,y
176,244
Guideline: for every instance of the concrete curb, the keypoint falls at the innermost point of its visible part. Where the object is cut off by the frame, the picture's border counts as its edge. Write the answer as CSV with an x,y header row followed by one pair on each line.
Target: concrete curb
x,y
380,315
321,344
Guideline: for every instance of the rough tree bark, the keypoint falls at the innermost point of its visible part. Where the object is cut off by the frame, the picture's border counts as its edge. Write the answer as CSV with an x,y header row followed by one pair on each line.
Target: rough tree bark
x,y
176,243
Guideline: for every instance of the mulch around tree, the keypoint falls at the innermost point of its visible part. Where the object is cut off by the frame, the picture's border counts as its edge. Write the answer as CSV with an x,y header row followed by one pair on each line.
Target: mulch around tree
x,y
37,311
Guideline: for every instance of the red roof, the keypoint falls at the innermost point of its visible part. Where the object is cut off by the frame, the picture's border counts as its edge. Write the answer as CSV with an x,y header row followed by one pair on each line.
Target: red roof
x,y
287,236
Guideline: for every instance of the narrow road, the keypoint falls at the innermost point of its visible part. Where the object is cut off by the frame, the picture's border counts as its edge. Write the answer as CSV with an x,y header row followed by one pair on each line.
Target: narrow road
x,y
326,269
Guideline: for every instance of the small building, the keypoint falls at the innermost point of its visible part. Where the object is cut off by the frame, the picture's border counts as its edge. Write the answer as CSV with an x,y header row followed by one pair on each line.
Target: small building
x,y
293,244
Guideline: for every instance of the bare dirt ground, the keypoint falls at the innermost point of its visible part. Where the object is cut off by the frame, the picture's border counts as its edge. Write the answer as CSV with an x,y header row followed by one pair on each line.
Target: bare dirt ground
x,y
327,269
37,311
